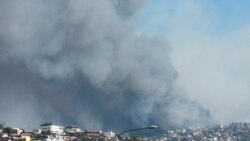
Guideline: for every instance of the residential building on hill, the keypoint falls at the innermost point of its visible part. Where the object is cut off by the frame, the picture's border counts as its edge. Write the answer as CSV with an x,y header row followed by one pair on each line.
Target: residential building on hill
x,y
54,129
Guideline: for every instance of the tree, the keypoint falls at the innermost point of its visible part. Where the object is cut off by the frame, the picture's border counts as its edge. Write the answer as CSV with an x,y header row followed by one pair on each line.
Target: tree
x,y
8,130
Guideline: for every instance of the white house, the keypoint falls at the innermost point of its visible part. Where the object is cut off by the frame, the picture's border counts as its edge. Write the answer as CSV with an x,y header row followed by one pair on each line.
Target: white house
x,y
55,129
17,131
109,135
37,131
73,129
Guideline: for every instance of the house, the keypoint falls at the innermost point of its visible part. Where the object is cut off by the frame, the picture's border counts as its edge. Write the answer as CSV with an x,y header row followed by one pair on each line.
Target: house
x,y
37,131
53,129
73,129
109,135
17,131
71,138
6,139
50,138
4,135
26,135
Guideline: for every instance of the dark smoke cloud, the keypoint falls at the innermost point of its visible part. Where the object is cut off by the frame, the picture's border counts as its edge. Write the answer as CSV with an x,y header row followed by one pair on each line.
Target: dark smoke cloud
x,y
80,62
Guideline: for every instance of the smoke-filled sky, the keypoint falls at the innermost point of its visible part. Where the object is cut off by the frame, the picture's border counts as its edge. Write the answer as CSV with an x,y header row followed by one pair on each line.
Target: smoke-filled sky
x,y
119,64
210,51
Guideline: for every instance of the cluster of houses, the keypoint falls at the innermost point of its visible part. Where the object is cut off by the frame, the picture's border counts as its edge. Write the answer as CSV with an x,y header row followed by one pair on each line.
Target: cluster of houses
x,y
233,132
52,132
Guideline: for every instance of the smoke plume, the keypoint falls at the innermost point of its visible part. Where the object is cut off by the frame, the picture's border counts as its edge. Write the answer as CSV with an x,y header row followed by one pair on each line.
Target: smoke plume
x,y
80,62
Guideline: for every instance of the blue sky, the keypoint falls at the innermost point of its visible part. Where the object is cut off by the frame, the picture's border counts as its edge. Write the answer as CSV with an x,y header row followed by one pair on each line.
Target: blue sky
x,y
210,42
229,14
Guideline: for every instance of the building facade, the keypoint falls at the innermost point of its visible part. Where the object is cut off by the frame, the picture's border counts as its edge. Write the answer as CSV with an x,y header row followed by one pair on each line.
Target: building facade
x,y
54,129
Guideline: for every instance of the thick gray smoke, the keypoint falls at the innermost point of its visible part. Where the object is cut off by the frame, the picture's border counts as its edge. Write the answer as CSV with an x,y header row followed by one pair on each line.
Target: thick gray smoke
x,y
80,62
